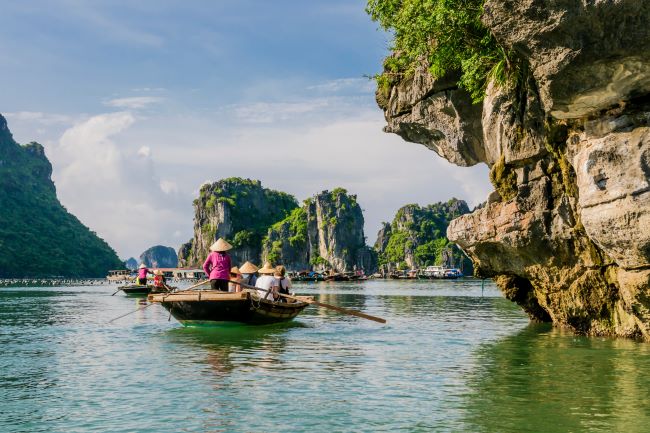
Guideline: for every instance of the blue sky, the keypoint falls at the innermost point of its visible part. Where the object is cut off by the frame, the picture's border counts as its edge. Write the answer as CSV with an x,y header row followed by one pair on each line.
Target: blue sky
x,y
139,103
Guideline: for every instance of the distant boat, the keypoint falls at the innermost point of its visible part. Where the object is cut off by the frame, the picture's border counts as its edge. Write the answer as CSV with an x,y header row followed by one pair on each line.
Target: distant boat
x,y
306,276
440,272
119,275
201,307
142,290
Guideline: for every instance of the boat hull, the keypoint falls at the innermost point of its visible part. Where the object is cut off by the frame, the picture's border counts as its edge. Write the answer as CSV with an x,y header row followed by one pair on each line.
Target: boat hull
x,y
212,307
139,290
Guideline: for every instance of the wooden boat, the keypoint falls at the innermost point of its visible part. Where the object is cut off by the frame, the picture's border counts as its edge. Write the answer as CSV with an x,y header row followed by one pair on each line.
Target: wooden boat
x,y
337,277
201,307
141,290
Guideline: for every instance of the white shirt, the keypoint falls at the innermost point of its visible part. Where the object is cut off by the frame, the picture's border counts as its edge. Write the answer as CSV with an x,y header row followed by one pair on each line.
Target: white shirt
x,y
264,283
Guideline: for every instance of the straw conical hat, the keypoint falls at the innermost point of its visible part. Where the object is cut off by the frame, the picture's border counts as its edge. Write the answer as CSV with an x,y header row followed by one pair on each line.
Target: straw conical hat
x,y
157,272
235,270
248,268
267,269
142,266
221,245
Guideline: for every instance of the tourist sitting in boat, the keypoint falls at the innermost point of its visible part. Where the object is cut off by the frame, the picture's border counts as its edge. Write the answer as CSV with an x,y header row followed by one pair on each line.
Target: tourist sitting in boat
x,y
142,274
235,275
266,283
159,279
283,282
249,273
217,265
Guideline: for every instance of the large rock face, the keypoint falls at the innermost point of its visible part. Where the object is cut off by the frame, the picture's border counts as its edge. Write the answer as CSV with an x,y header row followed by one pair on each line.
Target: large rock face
x,y
584,55
239,210
34,224
326,233
159,257
566,234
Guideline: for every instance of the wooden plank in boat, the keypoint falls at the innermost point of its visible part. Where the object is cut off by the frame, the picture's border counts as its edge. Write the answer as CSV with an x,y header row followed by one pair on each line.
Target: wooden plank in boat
x,y
195,296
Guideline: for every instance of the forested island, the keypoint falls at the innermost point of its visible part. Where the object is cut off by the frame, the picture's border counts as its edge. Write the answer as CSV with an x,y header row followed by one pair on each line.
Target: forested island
x,y
326,232
38,236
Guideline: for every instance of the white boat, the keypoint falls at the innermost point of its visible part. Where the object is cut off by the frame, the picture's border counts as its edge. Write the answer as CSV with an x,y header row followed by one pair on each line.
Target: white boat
x,y
441,272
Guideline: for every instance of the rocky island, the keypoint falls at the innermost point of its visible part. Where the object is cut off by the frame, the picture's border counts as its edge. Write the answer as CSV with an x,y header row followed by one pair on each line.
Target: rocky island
x,y
33,221
416,238
561,116
159,256
240,210
263,224
325,233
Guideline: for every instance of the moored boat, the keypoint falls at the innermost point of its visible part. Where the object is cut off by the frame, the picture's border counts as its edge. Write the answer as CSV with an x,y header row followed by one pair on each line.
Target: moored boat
x,y
142,290
201,307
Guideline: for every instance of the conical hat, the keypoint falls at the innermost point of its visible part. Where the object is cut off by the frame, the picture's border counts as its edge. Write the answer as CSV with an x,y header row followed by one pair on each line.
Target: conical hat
x,y
157,272
142,266
267,269
221,245
235,270
248,268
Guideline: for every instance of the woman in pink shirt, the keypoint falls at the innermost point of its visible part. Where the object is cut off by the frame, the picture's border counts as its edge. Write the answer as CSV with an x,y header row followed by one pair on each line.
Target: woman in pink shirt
x,y
142,274
217,265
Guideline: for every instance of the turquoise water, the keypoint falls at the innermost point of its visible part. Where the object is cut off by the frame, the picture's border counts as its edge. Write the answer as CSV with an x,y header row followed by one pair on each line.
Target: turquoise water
x,y
449,360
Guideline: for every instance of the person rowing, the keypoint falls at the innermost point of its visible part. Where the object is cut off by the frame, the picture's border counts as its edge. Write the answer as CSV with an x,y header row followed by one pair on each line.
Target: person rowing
x,y
217,265
142,274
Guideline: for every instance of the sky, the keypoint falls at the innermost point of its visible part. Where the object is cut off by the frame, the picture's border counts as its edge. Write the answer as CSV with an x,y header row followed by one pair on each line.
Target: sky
x,y
140,103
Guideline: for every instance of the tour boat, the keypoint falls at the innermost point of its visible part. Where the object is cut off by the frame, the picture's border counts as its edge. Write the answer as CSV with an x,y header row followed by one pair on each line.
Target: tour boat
x,y
209,307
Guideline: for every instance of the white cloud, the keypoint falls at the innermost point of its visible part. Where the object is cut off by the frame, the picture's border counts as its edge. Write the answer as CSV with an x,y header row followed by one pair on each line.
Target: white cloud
x,y
134,102
106,173
168,187
144,151
102,180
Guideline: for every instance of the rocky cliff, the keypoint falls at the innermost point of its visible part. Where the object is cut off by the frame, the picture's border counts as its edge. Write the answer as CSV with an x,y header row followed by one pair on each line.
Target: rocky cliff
x,y
239,210
325,233
159,257
131,263
566,234
38,237
416,238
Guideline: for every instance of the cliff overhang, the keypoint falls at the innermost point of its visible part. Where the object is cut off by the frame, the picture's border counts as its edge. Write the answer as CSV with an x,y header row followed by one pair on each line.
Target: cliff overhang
x,y
566,233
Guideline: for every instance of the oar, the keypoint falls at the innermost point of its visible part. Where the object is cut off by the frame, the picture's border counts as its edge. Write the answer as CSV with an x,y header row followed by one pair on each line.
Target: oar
x,y
116,291
321,304
124,315
147,306
198,284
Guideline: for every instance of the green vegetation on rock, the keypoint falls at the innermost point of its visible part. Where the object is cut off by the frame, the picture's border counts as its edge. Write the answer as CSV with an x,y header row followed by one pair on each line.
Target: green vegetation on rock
x,y
447,34
38,237
504,179
417,236
249,225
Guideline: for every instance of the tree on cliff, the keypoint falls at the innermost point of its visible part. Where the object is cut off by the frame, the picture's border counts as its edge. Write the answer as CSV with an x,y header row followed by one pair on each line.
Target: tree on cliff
x,y
447,34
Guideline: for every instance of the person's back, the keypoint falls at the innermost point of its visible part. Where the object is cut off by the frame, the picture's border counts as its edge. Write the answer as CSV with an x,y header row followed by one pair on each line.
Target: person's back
x,y
282,282
264,282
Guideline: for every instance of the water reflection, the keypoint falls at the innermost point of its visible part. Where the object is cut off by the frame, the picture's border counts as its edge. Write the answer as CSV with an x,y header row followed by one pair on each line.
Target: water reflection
x,y
223,347
544,379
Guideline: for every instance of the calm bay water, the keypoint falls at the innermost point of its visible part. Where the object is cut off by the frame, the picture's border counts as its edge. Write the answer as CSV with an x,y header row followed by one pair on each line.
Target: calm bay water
x,y
449,360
